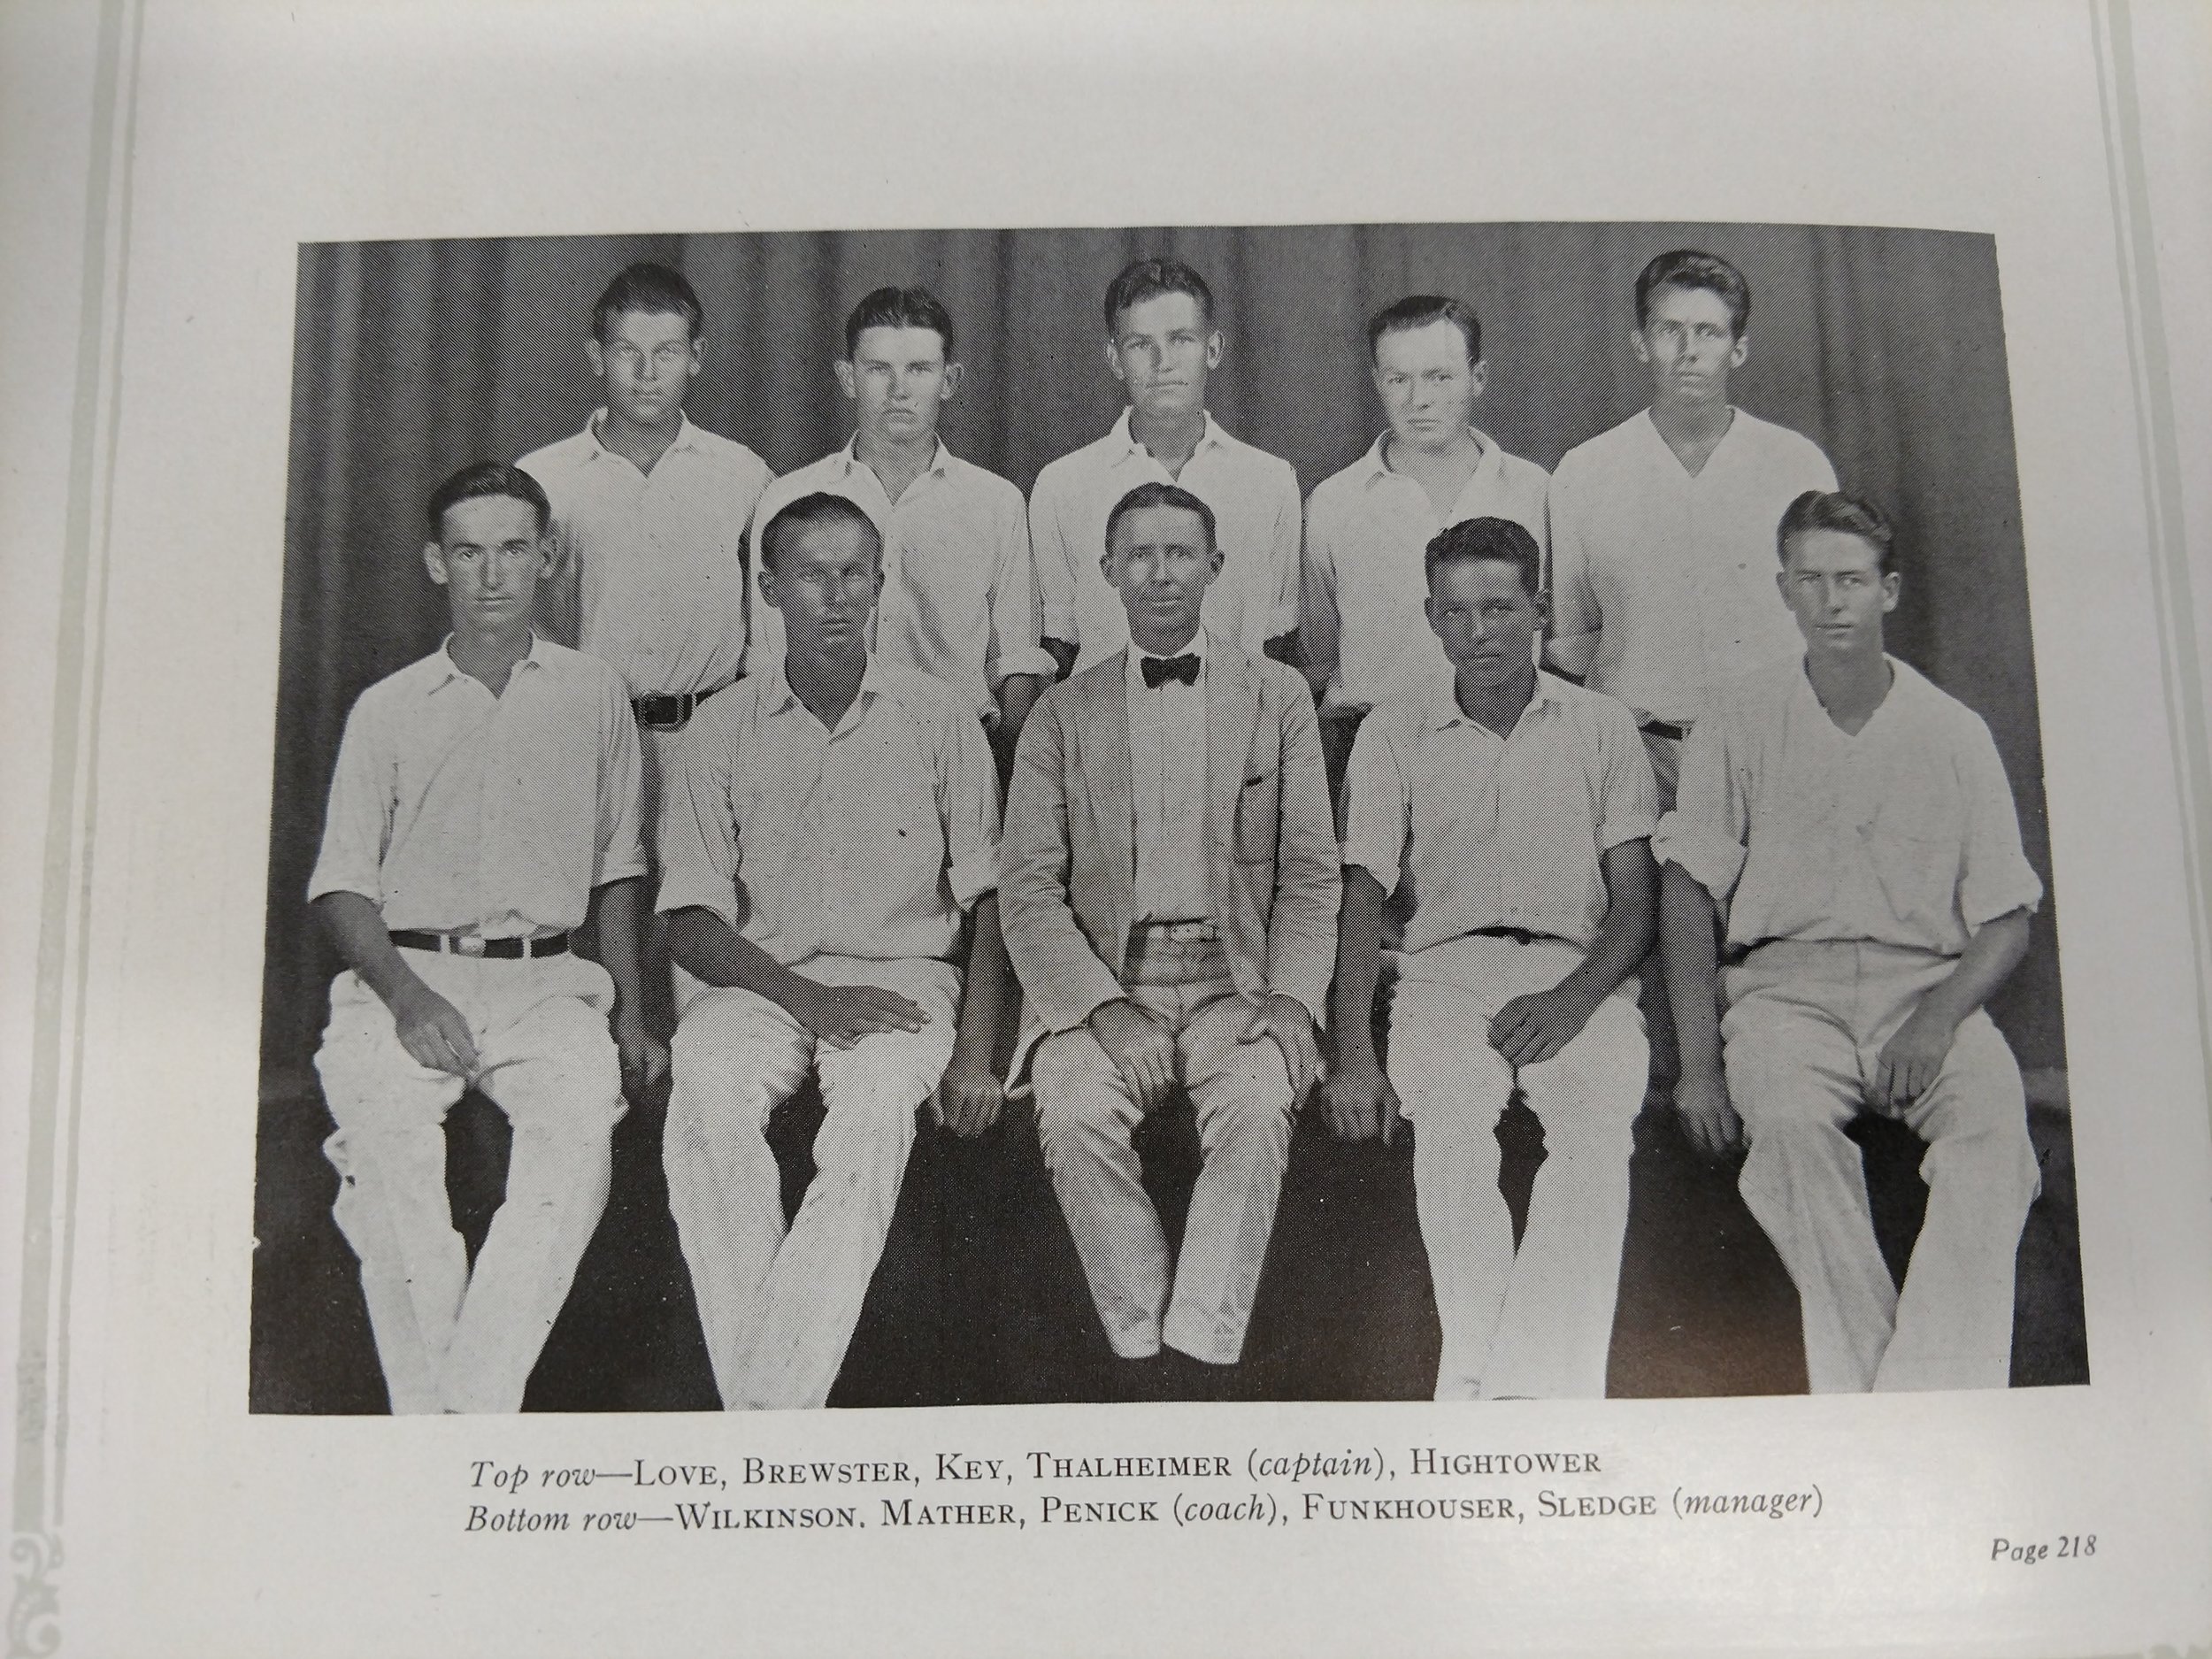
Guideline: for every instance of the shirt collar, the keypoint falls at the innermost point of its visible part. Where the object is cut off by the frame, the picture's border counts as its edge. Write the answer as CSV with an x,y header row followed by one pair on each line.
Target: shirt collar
x,y
1375,464
449,671
779,698
1211,437
687,435
1442,697
849,458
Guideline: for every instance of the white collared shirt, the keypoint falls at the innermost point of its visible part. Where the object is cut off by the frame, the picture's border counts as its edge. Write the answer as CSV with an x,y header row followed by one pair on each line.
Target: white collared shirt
x,y
867,842
1254,499
649,567
959,598
1167,790
1903,835
1663,584
1363,631
453,810
1496,832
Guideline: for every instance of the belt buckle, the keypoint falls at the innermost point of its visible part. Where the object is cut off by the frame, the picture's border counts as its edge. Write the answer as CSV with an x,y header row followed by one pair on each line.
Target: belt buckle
x,y
469,944
662,711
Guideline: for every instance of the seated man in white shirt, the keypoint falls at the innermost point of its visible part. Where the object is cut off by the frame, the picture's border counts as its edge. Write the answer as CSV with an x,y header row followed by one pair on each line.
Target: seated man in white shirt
x,y
1856,825
1162,343
1515,811
829,829
485,802
959,588
1367,528
1169,893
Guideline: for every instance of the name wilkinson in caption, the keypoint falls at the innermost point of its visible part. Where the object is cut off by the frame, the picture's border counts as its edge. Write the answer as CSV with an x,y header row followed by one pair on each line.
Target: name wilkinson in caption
x,y
1250,1487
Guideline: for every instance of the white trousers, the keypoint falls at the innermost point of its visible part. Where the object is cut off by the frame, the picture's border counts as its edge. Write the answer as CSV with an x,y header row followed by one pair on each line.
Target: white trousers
x,y
448,1338
1802,1037
777,1311
1241,1092
1537,1325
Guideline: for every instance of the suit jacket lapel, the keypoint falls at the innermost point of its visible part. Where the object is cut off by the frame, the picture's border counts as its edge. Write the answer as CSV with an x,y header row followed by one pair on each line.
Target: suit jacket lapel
x,y
1232,706
1103,736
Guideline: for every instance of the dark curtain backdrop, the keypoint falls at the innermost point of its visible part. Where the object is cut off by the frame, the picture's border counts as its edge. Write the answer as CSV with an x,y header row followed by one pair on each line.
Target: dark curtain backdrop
x,y
413,358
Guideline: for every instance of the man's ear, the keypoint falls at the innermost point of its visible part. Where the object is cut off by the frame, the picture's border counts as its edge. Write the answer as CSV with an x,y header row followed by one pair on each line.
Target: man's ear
x,y
955,372
847,382
1215,346
698,354
434,561
1542,601
767,579
1478,377
1893,584
545,554
1113,359
1738,352
1636,345
596,358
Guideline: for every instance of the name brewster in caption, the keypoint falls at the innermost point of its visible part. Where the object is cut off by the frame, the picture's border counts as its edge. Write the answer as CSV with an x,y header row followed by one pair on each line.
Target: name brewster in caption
x,y
1250,1486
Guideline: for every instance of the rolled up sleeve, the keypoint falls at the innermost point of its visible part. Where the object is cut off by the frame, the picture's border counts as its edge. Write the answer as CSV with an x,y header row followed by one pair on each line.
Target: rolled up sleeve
x,y
1055,576
358,825
1704,834
1997,877
968,806
1377,805
1628,802
618,852
1016,610
698,828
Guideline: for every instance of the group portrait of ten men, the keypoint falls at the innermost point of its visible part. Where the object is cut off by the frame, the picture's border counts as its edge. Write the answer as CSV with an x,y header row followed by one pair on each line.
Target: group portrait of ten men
x,y
1602,780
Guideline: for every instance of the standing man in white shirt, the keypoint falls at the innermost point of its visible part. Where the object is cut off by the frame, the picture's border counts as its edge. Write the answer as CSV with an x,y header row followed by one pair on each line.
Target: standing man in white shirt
x,y
1367,527
1856,825
1662,527
959,588
1171,894
485,803
650,512
829,851
1162,342
1515,811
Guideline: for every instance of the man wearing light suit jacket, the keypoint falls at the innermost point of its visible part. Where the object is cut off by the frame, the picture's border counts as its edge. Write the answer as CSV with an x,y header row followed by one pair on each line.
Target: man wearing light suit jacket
x,y
1168,888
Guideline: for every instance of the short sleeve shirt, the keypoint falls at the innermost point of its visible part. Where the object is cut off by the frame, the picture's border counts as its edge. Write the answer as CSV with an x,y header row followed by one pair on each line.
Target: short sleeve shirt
x,y
1497,831
453,810
1255,500
1663,584
959,598
867,842
1903,835
653,562
1362,630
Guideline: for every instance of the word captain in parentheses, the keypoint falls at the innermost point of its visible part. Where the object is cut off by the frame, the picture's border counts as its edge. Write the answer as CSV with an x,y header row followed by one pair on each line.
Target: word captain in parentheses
x,y
486,802
829,851
1169,891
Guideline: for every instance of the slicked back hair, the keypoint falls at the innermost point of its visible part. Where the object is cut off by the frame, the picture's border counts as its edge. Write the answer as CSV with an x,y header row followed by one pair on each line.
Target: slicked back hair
x,y
1156,494
1687,268
1832,509
898,308
819,508
1419,311
1499,539
1142,280
645,287
484,480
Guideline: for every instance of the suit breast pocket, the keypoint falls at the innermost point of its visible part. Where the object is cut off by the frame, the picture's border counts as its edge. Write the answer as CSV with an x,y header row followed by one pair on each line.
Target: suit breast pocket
x,y
1259,811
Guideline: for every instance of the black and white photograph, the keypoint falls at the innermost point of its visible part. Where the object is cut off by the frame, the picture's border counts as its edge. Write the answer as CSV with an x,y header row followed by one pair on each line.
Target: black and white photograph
x,y
1565,910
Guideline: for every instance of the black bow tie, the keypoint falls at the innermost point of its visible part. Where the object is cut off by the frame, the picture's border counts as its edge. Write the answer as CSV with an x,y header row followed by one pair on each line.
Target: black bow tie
x,y
1159,670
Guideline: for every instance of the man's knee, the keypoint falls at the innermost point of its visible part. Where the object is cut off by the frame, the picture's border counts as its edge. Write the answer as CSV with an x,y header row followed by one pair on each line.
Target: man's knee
x,y
1080,1096
725,1051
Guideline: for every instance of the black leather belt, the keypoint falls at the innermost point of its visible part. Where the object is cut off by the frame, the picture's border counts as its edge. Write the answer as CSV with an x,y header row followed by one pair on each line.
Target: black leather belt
x,y
1666,728
671,710
1518,935
471,945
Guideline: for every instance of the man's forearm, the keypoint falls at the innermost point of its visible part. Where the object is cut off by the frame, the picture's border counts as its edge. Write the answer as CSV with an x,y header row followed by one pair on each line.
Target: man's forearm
x,y
983,997
1688,918
617,907
1988,960
708,948
1358,966
1625,936
356,929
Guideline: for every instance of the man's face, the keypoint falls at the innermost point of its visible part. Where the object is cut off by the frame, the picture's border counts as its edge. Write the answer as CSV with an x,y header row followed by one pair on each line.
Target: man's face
x,y
1427,386
1689,344
647,361
1486,619
825,581
1833,582
488,557
898,378
1162,350
1160,564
